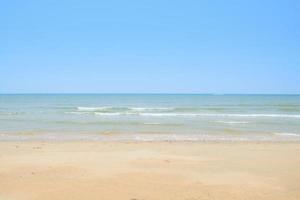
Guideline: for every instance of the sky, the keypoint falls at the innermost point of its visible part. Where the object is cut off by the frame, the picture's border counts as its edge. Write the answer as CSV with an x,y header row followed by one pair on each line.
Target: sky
x,y
154,46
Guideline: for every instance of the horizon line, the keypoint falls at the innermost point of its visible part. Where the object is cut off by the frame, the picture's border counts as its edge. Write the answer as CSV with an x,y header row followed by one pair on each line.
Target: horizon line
x,y
141,93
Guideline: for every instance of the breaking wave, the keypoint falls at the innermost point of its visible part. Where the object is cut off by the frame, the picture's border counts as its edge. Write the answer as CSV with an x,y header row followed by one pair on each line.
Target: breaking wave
x,y
288,134
101,111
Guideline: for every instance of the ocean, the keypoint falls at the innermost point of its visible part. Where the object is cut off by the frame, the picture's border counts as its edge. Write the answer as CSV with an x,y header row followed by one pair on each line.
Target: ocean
x,y
148,117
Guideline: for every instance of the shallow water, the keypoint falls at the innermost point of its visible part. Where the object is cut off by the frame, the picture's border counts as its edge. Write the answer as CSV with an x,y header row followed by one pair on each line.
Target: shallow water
x,y
150,117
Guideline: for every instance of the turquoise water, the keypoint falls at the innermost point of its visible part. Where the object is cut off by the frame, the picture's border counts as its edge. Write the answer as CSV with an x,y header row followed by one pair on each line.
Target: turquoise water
x,y
149,117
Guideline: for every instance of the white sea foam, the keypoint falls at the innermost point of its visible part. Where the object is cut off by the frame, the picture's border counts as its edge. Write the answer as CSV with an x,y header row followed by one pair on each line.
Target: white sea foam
x,y
218,115
104,108
109,114
97,111
288,134
90,109
77,113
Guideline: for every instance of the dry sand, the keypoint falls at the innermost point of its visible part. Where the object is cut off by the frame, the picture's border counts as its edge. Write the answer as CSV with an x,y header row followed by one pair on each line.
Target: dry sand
x,y
149,170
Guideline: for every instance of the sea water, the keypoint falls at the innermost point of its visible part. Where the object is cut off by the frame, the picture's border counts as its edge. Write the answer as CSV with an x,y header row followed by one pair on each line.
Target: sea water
x,y
149,117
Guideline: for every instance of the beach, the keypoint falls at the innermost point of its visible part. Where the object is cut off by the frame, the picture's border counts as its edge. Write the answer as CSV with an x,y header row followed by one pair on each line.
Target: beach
x,y
149,170
149,147
149,100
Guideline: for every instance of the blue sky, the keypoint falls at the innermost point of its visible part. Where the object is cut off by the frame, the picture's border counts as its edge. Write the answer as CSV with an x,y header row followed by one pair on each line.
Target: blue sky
x,y
153,46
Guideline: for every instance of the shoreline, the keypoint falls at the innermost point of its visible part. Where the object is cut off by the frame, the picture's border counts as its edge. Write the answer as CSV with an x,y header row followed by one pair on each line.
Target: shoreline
x,y
118,137
155,141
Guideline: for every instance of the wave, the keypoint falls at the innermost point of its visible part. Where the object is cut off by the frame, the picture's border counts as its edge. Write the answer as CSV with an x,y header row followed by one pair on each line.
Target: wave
x,y
137,109
97,113
218,115
109,114
288,134
115,136
78,113
92,109
149,114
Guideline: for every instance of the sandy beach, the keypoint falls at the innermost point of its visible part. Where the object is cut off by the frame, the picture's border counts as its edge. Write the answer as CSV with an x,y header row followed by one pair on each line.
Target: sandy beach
x,y
149,170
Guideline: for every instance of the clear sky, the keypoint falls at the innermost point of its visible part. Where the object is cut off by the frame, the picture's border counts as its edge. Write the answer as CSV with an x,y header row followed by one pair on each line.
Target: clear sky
x,y
154,46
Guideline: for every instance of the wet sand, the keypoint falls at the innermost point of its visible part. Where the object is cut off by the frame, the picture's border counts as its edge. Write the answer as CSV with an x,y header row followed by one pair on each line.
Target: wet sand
x,y
149,171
